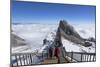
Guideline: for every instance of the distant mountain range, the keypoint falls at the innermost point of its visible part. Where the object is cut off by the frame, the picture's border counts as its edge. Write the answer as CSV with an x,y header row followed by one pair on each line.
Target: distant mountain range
x,y
24,23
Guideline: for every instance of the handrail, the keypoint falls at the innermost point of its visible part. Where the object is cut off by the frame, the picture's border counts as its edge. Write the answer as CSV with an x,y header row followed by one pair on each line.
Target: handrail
x,y
81,57
83,53
22,53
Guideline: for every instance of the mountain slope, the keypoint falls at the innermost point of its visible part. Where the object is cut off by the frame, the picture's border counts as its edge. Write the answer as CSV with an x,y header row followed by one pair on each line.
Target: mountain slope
x,y
34,34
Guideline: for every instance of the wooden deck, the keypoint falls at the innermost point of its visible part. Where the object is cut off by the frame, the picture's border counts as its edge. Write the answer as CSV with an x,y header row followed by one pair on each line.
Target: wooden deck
x,y
54,60
50,61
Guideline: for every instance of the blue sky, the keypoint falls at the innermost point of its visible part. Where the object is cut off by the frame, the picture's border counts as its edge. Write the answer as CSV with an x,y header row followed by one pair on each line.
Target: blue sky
x,y
46,13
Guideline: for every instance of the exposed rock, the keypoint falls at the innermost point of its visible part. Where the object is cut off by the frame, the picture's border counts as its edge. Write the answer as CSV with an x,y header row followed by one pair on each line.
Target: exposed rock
x,y
69,33
87,44
91,39
17,41
68,29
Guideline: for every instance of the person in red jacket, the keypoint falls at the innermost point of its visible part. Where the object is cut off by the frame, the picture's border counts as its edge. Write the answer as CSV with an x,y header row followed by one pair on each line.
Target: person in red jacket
x,y
57,53
58,49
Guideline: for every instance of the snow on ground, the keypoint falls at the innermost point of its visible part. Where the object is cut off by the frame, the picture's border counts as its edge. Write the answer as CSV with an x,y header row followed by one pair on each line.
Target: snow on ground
x,y
69,46
85,31
35,33
72,47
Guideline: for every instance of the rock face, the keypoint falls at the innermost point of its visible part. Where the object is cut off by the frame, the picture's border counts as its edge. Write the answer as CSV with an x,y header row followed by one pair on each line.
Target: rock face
x,y
68,29
69,33
16,41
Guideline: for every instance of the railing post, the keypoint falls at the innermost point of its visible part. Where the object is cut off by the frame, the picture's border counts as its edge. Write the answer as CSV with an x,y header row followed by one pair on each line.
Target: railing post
x,y
16,60
31,58
20,60
81,57
90,58
87,58
28,59
11,64
42,55
24,59
47,55
72,56
64,51
93,57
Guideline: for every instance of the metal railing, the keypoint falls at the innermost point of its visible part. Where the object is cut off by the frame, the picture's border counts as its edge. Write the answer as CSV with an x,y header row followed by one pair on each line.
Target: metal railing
x,y
27,59
81,57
